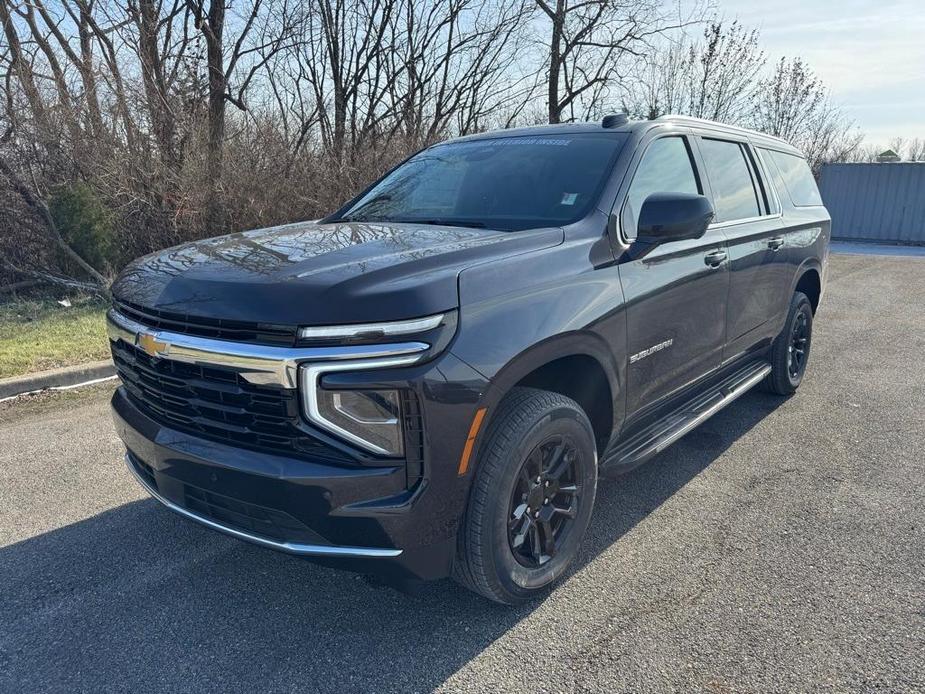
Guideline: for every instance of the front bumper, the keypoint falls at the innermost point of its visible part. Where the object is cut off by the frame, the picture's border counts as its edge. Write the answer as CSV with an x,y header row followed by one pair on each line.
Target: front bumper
x,y
147,480
359,518
213,432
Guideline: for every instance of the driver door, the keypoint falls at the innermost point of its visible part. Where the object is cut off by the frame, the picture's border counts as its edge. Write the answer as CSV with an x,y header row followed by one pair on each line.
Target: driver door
x,y
676,295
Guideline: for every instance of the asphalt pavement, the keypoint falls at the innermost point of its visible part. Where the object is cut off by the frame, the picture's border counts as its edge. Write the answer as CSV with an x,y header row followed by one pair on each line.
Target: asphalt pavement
x,y
779,547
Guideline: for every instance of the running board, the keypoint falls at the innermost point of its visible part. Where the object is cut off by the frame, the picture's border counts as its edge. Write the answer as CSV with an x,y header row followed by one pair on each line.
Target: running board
x,y
655,438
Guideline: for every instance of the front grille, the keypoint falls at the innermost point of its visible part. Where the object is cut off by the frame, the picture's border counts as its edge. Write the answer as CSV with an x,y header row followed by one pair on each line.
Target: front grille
x,y
215,328
217,404
234,513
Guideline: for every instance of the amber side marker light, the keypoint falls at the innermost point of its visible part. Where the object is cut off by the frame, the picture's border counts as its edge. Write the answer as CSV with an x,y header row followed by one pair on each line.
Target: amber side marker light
x,y
470,441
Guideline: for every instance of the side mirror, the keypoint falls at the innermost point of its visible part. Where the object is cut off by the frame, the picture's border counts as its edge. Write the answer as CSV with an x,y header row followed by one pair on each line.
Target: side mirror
x,y
668,217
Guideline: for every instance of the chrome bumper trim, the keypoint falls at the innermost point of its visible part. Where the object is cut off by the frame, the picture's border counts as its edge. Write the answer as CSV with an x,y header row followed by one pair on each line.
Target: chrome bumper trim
x,y
289,547
258,364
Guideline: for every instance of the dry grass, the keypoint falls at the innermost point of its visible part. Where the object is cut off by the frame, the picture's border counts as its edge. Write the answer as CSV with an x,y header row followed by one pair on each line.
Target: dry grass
x,y
39,333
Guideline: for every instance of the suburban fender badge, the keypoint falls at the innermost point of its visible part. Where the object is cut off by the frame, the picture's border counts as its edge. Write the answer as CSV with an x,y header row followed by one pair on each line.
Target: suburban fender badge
x,y
651,350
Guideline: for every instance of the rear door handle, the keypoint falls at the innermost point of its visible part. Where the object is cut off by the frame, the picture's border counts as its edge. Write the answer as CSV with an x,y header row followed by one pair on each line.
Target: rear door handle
x,y
775,244
715,258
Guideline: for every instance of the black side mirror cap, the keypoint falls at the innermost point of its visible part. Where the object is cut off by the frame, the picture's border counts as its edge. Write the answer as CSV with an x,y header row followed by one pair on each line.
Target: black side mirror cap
x,y
666,217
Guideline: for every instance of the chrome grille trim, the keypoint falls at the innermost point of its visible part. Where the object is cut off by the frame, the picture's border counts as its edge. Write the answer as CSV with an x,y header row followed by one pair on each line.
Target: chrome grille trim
x,y
257,364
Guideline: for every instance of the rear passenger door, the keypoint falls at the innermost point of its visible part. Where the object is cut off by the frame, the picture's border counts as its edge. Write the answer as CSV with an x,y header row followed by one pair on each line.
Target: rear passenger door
x,y
675,296
748,214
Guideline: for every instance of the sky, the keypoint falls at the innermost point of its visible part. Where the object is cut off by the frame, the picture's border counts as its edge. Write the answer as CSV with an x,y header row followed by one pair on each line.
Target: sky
x,y
870,53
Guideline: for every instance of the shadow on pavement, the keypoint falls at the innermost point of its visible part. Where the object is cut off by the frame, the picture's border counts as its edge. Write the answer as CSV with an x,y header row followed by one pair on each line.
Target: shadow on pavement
x,y
137,599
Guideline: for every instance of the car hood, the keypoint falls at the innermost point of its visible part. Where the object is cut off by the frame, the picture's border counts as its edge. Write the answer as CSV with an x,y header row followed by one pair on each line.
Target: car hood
x,y
320,274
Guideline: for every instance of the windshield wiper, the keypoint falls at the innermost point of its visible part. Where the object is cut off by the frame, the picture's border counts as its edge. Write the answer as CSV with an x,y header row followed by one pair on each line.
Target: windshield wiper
x,y
435,221
470,223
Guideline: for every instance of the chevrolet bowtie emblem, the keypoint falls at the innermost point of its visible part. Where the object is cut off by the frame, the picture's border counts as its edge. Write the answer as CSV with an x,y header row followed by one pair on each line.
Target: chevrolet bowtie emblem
x,y
150,344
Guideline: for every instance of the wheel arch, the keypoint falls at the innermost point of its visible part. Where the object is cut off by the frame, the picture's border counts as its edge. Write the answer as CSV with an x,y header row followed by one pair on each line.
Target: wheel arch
x,y
578,365
809,281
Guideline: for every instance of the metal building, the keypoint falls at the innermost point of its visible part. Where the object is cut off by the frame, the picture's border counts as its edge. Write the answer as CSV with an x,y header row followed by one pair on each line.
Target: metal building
x,y
876,202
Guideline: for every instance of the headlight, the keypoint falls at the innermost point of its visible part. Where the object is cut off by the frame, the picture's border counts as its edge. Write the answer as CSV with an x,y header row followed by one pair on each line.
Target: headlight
x,y
368,418
373,416
371,419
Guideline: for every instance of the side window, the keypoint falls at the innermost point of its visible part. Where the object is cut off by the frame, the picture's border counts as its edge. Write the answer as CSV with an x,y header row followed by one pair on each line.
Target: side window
x,y
665,168
768,172
773,172
796,177
734,193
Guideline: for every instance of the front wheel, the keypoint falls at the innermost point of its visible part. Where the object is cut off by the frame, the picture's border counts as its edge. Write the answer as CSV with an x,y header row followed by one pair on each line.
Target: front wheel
x,y
531,499
790,351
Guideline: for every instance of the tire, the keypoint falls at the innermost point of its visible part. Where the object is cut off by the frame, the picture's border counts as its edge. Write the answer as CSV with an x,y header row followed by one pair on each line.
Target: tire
x,y
788,363
510,522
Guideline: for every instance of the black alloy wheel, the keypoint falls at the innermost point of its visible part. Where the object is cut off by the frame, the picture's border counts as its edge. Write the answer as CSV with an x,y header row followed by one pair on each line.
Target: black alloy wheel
x,y
545,501
796,354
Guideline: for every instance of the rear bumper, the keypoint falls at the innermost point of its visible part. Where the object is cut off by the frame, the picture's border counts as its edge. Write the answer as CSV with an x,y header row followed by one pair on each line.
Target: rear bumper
x,y
359,518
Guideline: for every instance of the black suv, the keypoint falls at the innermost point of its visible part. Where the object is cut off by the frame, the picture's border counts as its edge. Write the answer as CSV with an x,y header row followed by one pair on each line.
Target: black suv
x,y
430,381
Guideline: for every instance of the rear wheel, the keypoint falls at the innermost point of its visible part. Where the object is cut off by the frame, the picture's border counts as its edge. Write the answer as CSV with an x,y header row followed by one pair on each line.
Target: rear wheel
x,y
790,351
531,499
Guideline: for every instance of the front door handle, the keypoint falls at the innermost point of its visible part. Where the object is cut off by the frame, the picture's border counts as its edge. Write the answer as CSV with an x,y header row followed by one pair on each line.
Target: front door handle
x,y
776,243
715,258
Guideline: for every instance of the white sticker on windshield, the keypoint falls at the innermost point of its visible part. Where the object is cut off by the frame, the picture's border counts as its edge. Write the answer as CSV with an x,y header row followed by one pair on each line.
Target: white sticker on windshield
x,y
569,198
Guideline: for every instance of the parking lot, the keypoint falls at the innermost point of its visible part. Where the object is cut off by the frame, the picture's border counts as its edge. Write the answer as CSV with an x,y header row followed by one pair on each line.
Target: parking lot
x,y
779,547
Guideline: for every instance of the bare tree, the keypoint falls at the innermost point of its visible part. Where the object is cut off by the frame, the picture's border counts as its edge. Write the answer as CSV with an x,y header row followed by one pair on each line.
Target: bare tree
x,y
712,77
792,103
588,42
461,66
721,72
915,150
21,69
662,86
154,57
270,33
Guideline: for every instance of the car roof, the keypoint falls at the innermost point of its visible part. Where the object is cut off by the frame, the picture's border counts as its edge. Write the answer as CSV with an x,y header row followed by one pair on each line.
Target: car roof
x,y
631,126
545,131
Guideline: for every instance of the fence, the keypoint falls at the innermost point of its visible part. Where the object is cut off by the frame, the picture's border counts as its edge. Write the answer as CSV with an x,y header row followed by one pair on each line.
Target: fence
x,y
883,203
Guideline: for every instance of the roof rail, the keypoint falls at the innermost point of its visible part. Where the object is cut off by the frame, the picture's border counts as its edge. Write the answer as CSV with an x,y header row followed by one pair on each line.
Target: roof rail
x,y
703,121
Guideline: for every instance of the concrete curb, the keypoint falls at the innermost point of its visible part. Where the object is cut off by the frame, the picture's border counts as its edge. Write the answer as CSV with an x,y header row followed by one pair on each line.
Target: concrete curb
x,y
56,378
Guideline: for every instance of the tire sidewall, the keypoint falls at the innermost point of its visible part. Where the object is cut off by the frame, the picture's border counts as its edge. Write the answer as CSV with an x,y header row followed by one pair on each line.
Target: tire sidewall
x,y
516,579
801,305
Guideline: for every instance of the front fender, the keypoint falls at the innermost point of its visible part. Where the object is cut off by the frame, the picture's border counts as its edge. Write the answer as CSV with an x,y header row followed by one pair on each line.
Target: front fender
x,y
520,314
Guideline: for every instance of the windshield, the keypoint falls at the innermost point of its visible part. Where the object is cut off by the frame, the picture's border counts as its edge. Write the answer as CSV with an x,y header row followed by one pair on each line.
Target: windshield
x,y
505,183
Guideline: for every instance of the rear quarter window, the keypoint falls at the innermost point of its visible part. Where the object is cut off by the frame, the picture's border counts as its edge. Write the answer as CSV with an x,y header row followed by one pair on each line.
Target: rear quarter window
x,y
795,176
